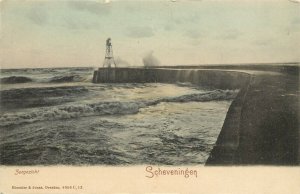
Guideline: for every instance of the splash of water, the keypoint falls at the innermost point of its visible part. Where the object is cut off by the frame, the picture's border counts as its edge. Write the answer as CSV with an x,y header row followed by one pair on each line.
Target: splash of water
x,y
149,60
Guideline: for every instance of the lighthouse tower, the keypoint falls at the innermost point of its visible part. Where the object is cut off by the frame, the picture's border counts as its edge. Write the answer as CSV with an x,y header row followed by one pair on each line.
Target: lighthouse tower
x,y
109,56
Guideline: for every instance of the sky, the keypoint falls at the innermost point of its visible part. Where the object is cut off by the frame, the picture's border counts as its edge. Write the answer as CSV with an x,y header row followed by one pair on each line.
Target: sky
x,y
60,33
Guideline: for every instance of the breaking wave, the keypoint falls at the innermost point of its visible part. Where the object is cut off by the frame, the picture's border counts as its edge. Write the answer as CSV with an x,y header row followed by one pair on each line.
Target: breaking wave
x,y
36,97
23,93
203,97
67,78
46,75
15,80
68,111
54,79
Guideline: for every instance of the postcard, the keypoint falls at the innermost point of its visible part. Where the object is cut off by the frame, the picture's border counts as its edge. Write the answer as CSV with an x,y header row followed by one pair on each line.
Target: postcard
x,y
149,96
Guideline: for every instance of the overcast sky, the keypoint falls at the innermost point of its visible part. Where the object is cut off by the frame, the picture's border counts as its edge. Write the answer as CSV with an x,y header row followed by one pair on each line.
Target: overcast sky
x,y
73,33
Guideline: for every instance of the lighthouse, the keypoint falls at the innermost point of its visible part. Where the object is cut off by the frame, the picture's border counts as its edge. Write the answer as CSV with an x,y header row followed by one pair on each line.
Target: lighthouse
x,y
109,56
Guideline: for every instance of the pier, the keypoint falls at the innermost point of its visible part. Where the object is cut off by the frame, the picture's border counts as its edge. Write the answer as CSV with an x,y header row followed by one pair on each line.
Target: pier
x,y
262,124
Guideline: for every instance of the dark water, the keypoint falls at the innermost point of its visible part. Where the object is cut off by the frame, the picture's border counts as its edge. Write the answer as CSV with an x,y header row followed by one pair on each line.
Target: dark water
x,y
57,116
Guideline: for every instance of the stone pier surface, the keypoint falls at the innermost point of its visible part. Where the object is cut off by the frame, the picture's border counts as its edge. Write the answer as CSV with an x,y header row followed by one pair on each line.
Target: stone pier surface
x,y
262,124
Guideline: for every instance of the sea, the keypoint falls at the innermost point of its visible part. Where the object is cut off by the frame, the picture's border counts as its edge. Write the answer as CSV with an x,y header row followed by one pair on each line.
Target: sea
x,y
57,116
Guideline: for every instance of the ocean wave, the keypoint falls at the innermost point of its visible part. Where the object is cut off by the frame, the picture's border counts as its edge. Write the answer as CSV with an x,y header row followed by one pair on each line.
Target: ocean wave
x,y
68,111
15,80
48,70
46,79
202,97
37,97
23,93
46,75
67,78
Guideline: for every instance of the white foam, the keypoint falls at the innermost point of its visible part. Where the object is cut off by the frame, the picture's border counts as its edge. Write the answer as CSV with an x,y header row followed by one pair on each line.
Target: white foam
x,y
68,111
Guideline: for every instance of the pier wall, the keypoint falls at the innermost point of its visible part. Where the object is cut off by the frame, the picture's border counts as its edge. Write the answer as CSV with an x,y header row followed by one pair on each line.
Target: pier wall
x,y
207,78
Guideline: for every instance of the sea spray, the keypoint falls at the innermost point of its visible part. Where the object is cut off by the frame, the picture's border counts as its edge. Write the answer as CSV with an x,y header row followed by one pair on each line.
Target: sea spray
x,y
150,60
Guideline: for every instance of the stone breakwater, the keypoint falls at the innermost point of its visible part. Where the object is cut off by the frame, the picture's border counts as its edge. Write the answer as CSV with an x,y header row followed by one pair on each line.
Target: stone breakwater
x,y
262,123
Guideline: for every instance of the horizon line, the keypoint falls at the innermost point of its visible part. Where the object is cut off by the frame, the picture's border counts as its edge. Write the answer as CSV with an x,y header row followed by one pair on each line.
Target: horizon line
x,y
208,64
